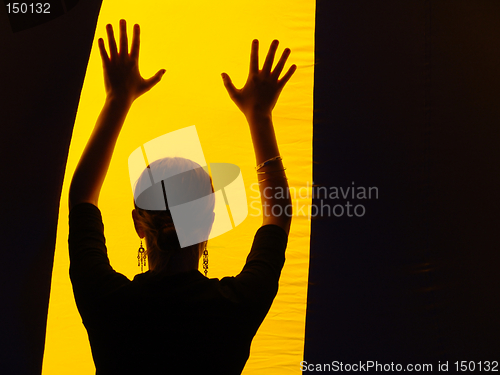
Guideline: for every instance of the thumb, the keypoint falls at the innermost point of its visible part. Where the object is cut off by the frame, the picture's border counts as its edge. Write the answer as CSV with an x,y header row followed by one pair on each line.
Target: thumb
x,y
154,79
232,91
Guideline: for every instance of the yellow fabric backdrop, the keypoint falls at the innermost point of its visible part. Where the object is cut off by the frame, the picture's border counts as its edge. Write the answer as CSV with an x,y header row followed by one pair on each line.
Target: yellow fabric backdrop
x,y
195,42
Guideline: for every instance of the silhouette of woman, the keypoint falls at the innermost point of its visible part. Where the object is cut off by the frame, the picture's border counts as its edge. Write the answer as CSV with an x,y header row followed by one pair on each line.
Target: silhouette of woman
x,y
172,319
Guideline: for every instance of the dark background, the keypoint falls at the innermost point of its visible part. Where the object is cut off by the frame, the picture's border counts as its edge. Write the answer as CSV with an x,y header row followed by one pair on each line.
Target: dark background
x,y
406,99
43,60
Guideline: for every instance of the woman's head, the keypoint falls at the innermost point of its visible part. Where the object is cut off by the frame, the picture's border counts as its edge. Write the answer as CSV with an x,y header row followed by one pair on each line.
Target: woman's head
x,y
181,182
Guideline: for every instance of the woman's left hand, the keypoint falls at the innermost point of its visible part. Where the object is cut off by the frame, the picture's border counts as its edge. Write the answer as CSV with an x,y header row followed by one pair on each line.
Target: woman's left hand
x,y
121,70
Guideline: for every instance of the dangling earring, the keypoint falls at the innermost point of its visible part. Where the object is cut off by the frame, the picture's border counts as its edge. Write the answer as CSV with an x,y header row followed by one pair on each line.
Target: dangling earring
x,y
141,257
205,260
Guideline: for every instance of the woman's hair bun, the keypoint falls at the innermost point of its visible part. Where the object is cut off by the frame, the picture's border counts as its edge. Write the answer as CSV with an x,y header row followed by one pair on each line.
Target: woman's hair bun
x,y
167,236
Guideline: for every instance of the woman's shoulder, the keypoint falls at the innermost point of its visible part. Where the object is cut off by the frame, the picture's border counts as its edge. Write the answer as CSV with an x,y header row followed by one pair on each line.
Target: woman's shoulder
x,y
84,208
272,230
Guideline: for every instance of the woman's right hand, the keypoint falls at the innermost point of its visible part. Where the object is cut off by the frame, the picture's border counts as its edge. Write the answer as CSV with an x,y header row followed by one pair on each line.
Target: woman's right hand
x,y
263,87
121,69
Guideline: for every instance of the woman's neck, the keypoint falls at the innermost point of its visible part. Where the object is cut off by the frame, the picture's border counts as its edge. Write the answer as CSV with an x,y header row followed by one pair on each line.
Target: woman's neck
x,y
180,262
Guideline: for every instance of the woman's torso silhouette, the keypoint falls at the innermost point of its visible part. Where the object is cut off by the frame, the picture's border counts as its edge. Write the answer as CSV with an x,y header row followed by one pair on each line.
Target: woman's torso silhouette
x,y
183,323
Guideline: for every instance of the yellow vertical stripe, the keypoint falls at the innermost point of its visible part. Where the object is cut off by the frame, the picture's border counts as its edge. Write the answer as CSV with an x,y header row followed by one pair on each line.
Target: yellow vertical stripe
x,y
195,42
144,155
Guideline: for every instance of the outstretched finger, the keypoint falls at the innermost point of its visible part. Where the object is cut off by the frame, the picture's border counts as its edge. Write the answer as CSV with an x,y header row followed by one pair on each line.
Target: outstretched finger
x,y
136,41
104,53
268,64
123,39
231,90
254,57
281,64
282,82
149,83
113,51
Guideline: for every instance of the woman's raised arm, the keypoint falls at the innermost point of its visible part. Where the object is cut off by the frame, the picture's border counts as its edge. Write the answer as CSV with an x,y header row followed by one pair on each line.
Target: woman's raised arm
x,y
123,84
256,100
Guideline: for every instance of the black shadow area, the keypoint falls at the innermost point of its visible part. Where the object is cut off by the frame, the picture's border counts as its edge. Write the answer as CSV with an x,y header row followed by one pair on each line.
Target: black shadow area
x,y
406,100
